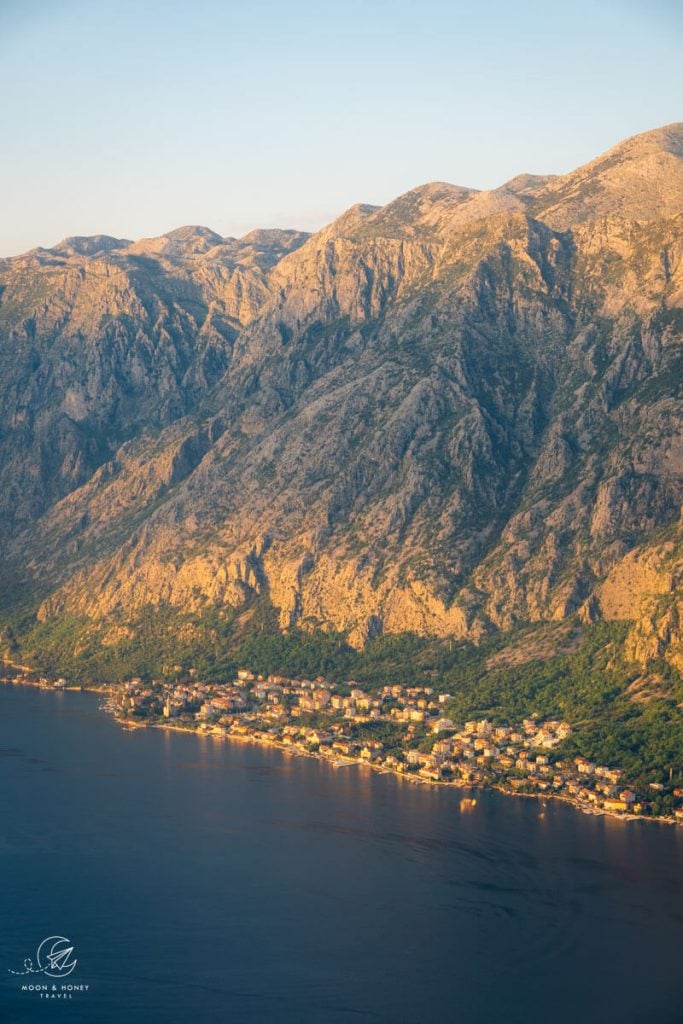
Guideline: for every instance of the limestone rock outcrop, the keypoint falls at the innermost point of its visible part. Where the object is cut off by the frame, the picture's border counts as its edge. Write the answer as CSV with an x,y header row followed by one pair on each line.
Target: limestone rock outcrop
x,y
452,414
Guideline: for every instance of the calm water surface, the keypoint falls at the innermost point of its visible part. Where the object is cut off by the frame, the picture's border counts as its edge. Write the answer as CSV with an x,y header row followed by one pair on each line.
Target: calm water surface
x,y
205,881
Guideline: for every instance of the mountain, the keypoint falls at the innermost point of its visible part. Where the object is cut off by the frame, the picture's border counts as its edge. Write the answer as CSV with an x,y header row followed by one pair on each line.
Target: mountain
x,y
454,415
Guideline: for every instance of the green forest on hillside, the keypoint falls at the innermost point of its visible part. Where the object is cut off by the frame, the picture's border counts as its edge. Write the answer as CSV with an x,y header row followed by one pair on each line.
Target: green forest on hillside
x,y
586,686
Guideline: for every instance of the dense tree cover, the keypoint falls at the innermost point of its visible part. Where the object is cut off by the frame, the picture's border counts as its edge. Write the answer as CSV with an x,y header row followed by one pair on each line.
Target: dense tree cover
x,y
389,734
586,687
216,643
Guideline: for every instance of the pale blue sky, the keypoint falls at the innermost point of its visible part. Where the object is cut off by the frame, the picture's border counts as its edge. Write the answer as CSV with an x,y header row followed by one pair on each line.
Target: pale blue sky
x,y
136,116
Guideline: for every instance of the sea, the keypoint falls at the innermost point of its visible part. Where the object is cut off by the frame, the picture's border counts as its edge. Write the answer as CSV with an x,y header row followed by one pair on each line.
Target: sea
x,y
157,876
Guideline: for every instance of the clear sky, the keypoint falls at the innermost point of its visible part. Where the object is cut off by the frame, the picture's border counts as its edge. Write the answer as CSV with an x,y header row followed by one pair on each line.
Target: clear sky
x,y
132,117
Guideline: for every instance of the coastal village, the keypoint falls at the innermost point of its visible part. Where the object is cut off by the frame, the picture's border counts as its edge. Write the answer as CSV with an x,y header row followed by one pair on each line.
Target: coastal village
x,y
398,729
347,726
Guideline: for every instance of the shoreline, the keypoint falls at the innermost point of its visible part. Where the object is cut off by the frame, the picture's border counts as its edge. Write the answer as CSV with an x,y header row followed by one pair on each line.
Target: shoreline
x,y
131,724
595,812
103,688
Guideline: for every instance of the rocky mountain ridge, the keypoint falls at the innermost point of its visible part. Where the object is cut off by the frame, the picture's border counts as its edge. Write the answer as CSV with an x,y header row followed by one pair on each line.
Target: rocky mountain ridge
x,y
451,415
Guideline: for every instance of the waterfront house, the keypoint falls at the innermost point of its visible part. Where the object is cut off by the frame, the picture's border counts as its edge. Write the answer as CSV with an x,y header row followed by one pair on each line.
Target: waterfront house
x,y
615,805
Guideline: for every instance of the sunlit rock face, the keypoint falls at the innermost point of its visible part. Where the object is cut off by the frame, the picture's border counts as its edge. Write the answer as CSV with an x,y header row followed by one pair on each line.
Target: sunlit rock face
x,y
451,414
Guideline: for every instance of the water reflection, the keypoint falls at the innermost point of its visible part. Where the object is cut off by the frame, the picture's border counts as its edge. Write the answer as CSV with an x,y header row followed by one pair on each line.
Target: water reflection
x,y
210,880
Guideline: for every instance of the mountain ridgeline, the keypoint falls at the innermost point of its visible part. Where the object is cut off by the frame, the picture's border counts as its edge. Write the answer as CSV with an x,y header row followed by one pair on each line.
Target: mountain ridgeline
x,y
455,415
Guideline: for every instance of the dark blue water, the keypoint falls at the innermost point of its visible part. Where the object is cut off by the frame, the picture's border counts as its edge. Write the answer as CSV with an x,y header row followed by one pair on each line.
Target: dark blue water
x,y
203,881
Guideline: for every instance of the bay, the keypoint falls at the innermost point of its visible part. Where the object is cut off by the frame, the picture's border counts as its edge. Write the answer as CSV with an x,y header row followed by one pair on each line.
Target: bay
x,y
201,880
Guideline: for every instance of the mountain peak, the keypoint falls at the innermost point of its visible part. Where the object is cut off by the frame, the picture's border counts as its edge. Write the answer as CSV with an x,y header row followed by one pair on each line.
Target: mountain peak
x,y
188,240
408,408
190,232
89,245
640,179
526,184
668,139
280,237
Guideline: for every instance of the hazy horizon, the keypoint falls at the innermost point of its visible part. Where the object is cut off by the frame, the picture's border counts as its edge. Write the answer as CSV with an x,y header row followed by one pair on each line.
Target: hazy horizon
x,y
135,121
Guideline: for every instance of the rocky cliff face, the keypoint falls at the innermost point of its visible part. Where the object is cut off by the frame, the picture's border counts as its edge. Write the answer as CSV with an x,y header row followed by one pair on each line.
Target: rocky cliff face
x,y
103,340
451,414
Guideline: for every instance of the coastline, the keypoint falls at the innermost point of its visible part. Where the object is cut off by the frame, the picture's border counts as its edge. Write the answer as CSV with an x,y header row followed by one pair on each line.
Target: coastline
x,y
47,685
130,724
596,812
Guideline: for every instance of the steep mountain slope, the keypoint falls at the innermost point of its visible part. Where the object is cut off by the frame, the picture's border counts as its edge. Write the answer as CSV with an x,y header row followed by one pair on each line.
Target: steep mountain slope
x,y
104,338
452,414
